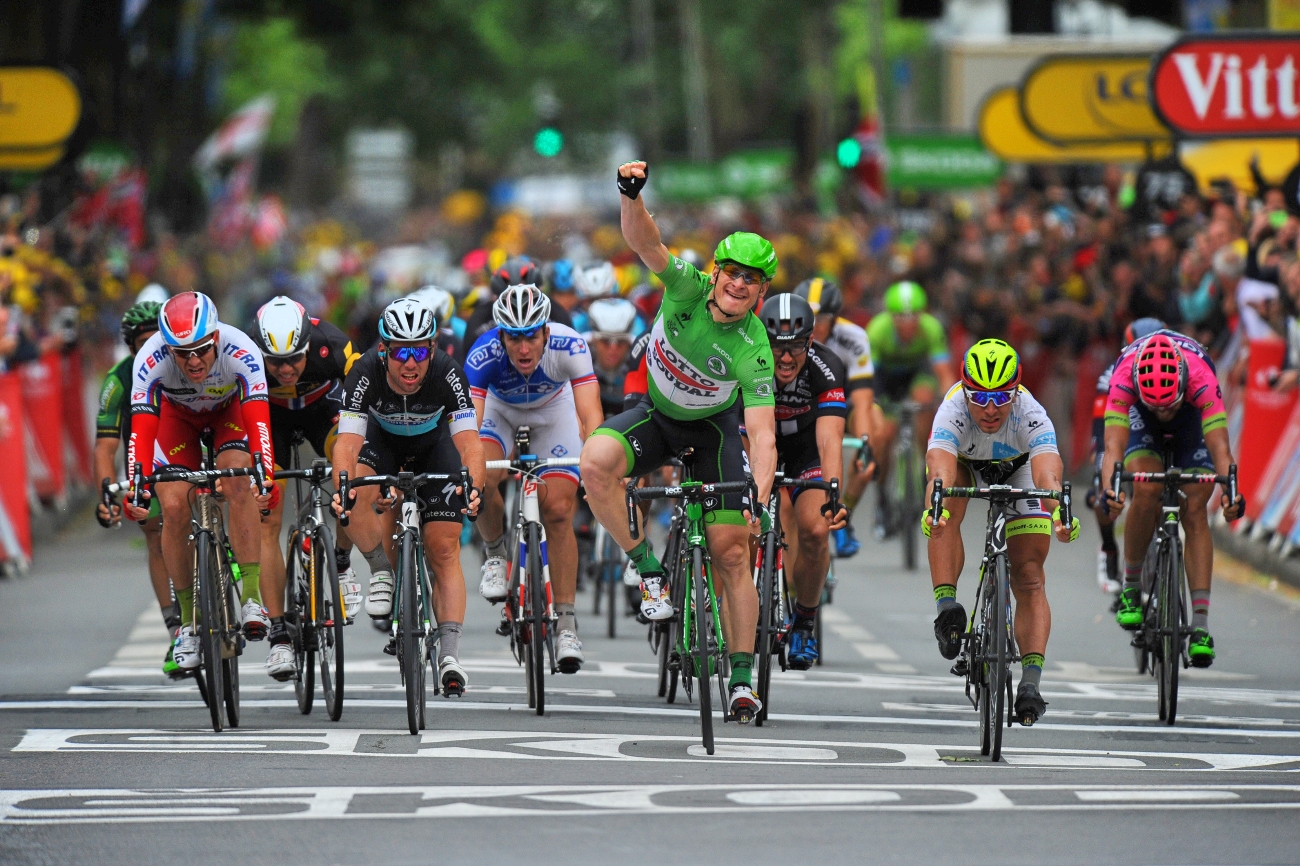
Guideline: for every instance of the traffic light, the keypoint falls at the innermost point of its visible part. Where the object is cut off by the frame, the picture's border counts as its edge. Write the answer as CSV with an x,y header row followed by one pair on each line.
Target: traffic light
x,y
848,153
548,142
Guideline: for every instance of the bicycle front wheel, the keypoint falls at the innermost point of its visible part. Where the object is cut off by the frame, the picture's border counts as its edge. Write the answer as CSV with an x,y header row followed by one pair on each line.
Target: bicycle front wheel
x,y
995,677
766,581
409,644
332,617
536,618
298,600
231,651
1171,630
210,604
703,628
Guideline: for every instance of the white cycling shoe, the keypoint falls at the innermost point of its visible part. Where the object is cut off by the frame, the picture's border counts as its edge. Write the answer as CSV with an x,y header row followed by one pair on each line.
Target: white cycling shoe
x,y
744,704
350,589
380,600
452,676
655,603
186,649
280,663
256,620
568,652
493,585
631,577
1108,586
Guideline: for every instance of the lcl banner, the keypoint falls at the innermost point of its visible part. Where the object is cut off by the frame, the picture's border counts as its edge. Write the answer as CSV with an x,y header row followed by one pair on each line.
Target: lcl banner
x,y
1213,86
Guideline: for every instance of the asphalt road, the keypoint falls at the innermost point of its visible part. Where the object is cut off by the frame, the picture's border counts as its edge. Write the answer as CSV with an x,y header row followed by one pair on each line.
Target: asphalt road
x,y
871,758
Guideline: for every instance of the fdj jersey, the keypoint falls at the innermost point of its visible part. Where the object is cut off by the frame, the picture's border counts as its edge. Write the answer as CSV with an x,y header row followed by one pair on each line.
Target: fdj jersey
x,y
898,363
698,367
565,364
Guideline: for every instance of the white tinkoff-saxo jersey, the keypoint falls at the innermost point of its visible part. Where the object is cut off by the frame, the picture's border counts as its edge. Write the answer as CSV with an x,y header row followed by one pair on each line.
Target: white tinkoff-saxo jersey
x,y
1027,430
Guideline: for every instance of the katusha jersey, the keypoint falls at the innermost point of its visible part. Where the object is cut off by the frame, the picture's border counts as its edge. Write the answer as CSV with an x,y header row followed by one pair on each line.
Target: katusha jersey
x,y
565,365
1026,433
698,367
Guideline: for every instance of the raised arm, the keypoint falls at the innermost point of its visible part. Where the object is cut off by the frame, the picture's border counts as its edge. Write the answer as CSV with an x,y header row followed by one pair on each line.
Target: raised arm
x,y
639,229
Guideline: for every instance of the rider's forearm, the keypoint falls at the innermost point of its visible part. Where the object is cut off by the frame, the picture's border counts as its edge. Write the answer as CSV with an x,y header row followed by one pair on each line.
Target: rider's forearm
x,y
641,233
1046,470
346,449
861,417
471,455
943,371
105,457
942,465
762,460
1115,437
586,399
830,446
1220,450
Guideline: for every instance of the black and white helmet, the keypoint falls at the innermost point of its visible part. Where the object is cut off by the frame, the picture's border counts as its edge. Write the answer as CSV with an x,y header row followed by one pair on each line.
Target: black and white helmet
x,y
595,280
521,309
407,320
282,325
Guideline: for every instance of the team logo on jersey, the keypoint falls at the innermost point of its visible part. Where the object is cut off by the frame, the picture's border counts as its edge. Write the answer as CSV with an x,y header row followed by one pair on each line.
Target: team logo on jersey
x,y
763,389
716,366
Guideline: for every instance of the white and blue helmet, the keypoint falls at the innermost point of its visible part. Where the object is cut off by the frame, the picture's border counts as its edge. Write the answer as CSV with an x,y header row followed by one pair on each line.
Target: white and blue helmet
x,y
187,318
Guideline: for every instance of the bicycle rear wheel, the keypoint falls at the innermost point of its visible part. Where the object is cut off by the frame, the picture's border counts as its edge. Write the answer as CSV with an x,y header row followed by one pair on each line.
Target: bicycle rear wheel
x,y
536,618
409,644
766,580
1171,630
996,658
1151,625
703,628
231,651
661,652
210,604
298,600
909,508
329,636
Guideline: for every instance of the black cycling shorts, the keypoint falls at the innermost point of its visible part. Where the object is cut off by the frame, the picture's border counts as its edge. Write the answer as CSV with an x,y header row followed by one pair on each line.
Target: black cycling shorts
x,y
388,454
650,439
318,423
797,456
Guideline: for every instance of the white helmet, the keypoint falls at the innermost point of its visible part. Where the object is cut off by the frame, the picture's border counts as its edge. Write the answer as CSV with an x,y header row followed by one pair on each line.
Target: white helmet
x,y
407,319
438,300
521,309
282,323
595,280
612,318
153,292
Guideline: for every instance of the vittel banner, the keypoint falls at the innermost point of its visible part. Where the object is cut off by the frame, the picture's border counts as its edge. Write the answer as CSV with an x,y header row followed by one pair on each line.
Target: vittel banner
x,y
1210,86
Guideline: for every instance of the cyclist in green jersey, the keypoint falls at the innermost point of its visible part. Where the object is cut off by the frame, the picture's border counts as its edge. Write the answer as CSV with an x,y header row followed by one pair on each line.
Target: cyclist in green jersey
x,y
112,428
707,350
910,352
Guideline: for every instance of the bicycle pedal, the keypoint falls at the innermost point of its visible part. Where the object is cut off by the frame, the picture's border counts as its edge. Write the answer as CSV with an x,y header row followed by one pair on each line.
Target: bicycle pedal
x,y
453,689
391,647
961,668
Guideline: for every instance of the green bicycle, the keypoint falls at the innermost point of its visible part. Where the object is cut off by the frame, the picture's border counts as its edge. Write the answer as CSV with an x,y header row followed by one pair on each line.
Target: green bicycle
x,y
700,644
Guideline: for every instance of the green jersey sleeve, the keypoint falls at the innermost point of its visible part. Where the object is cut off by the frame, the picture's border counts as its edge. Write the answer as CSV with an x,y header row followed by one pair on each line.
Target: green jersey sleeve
x,y
880,333
755,374
113,403
682,281
932,328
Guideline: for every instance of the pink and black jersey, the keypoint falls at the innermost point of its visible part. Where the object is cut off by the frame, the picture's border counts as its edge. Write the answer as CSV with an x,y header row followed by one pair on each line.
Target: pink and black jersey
x,y
1203,390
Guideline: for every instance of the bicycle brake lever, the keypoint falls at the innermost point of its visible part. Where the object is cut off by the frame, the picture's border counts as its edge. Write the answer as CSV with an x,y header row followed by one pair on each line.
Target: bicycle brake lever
x,y
344,497
466,487
1067,506
632,528
259,476
936,502
107,499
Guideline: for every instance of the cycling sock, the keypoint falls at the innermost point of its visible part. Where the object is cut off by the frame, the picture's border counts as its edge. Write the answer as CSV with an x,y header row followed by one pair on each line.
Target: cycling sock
x,y
172,616
498,547
278,632
185,601
741,665
567,621
850,502
251,589
1107,537
377,560
449,640
342,559
1031,668
804,616
1132,574
643,557
945,595
1200,608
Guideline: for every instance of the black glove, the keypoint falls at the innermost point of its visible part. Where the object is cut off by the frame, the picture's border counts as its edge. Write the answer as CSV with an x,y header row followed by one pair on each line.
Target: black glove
x,y
632,186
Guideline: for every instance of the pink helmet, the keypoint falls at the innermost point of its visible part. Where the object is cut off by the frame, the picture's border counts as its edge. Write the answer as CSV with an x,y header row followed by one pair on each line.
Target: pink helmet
x,y
1160,372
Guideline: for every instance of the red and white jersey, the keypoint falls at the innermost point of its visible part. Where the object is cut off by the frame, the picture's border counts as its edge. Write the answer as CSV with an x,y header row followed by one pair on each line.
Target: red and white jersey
x,y
239,372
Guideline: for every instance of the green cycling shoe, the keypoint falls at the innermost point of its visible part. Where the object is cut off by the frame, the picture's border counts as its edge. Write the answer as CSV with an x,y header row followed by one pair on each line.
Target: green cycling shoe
x,y
170,668
1200,649
1129,612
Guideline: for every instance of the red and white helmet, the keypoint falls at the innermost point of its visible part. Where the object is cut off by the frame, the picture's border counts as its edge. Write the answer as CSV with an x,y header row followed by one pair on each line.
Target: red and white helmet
x,y
187,318
1160,372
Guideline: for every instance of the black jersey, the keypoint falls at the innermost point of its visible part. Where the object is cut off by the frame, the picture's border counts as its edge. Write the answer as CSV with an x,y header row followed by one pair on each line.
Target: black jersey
x,y
329,358
441,403
817,391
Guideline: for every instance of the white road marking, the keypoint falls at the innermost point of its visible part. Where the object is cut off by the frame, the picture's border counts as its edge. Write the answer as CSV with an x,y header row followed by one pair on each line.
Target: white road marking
x,y
1105,715
60,806
352,688
852,632
876,652
631,748
895,668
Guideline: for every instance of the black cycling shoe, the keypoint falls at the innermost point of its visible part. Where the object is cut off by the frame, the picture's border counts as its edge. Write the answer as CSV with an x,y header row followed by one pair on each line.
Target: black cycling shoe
x,y
948,628
1030,705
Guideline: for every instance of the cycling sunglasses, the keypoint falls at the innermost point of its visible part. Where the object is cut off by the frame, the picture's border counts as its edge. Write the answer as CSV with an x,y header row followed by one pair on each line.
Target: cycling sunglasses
x,y
522,335
794,350
193,352
983,398
746,275
285,360
418,354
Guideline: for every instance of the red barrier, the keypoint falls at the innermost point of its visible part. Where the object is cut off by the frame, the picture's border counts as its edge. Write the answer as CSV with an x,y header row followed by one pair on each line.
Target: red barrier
x,y
1265,414
1089,368
13,481
1283,447
75,428
42,385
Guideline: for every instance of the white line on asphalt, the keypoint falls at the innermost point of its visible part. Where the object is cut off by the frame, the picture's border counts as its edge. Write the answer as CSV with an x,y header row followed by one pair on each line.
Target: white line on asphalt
x,y
352,688
592,746
132,806
1104,715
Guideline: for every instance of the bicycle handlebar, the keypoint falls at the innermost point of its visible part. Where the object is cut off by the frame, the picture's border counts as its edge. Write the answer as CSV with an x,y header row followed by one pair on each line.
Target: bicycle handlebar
x,y
831,508
540,464
693,490
1174,477
191,476
1000,493
407,482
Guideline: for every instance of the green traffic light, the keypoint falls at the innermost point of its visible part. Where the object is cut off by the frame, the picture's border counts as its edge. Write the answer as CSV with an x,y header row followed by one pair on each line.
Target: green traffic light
x,y
548,142
848,153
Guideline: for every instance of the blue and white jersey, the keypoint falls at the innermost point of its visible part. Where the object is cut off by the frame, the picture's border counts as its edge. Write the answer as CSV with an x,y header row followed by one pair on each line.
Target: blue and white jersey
x,y
1027,430
565,365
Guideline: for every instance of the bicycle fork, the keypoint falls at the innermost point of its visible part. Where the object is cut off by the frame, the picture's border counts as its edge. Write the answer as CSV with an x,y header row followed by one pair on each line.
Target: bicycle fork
x,y
530,512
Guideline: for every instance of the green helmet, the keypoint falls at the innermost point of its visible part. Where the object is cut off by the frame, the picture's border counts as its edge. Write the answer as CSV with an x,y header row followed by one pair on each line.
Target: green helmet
x,y
140,319
748,249
905,298
991,365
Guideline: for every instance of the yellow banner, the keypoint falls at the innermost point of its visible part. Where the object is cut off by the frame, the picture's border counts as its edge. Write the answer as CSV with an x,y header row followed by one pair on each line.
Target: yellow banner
x,y
1090,100
1284,14
1003,131
1230,158
39,107
30,160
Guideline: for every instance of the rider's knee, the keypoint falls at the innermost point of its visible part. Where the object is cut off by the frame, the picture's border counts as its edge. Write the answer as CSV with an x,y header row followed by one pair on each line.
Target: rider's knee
x,y
558,510
443,551
601,458
1147,495
813,533
731,558
1028,576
